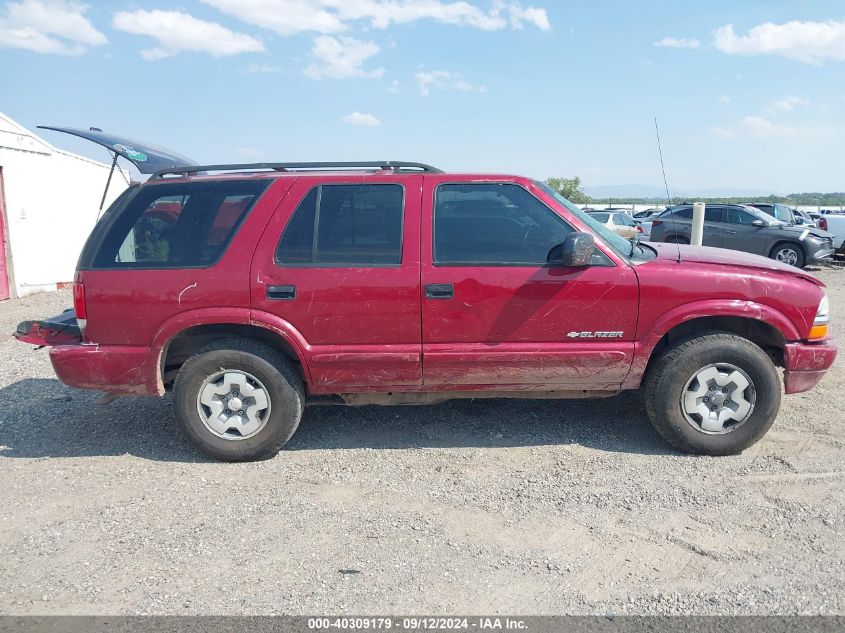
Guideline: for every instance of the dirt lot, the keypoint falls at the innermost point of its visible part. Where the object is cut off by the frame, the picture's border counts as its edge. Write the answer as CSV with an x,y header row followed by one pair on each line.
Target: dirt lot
x,y
528,507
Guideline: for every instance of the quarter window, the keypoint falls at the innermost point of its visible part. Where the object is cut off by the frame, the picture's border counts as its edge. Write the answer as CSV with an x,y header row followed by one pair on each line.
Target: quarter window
x,y
493,223
178,225
345,226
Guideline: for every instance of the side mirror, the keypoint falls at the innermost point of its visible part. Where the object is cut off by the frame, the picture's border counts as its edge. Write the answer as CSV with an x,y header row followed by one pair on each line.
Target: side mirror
x,y
576,251
758,223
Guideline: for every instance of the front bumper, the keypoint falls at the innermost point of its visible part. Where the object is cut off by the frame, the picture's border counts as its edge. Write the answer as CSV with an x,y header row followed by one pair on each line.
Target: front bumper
x,y
806,364
824,254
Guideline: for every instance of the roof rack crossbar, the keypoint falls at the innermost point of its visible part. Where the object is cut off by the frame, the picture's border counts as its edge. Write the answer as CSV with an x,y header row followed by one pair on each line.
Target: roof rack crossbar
x,y
316,166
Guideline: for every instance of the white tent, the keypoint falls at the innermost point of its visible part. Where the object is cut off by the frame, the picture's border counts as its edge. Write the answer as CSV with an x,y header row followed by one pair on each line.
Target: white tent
x,y
49,202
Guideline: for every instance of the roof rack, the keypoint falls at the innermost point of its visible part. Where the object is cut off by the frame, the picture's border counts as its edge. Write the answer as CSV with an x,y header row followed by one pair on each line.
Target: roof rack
x,y
374,165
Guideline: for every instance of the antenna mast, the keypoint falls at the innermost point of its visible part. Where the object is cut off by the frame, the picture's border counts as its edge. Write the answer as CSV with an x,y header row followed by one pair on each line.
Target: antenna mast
x,y
662,166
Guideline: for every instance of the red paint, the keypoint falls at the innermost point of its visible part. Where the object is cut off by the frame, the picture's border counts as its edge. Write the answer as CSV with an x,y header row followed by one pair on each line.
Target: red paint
x,y
4,273
361,325
373,330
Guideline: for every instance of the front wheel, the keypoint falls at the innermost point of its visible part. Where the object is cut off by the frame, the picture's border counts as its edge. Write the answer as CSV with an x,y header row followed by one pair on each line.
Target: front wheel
x,y
716,394
791,254
238,400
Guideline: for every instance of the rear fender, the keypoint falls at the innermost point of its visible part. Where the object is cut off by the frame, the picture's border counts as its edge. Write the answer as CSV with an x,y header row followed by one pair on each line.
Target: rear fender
x,y
223,316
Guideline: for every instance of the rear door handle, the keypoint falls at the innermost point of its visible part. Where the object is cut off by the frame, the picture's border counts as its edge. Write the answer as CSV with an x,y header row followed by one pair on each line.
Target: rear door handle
x,y
439,291
731,232
281,293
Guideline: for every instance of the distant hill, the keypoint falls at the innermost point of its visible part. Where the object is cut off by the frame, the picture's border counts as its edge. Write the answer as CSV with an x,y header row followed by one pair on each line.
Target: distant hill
x,y
605,192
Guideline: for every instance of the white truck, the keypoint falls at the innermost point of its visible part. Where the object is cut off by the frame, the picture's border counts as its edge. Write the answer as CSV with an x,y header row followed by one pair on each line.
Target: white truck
x,y
835,223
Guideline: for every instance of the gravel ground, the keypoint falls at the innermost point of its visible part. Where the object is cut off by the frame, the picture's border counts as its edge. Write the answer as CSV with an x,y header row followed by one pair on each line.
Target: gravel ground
x,y
507,506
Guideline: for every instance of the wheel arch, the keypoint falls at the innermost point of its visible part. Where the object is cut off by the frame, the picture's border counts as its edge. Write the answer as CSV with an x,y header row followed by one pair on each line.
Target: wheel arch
x,y
763,325
176,341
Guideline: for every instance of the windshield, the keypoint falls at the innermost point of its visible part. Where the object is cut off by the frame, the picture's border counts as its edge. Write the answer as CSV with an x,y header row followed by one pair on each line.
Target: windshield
x,y
762,215
620,245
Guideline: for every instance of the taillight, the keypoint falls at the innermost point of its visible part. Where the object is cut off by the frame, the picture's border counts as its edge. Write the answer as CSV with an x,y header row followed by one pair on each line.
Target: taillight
x,y
639,229
823,224
656,223
79,304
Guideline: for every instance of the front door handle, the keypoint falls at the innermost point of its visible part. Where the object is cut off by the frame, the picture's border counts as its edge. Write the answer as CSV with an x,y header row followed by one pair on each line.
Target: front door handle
x,y
281,293
439,291
731,232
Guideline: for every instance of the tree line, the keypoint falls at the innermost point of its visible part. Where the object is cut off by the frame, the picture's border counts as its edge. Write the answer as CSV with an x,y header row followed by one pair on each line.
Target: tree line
x,y
570,188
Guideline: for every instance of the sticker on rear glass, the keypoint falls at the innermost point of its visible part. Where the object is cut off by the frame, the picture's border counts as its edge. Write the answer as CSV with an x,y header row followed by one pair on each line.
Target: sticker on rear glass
x,y
132,154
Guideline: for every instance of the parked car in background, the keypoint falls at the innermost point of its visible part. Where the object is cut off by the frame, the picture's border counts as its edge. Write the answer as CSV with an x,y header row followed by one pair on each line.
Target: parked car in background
x,y
748,229
807,219
784,213
644,216
618,222
835,224
777,210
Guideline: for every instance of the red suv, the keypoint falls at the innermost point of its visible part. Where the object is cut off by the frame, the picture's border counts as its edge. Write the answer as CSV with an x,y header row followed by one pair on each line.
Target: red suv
x,y
260,289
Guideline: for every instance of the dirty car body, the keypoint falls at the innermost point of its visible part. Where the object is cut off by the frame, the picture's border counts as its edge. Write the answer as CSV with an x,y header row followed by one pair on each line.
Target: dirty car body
x,y
256,290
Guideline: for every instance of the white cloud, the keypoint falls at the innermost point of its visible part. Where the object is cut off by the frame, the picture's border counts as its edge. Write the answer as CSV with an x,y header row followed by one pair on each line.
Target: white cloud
x,y
342,58
48,26
764,128
359,118
177,32
288,17
722,132
725,99
394,87
676,42
444,80
787,104
808,42
262,68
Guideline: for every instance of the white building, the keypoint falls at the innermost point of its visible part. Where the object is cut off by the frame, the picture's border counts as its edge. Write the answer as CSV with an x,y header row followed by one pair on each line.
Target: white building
x,y
49,202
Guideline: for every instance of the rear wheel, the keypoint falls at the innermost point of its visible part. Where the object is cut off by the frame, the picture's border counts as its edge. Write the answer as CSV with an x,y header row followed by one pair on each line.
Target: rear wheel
x,y
238,400
787,253
716,394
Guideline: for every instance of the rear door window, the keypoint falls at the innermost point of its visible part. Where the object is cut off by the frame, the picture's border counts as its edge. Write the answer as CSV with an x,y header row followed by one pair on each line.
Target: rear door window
x,y
713,214
178,225
356,225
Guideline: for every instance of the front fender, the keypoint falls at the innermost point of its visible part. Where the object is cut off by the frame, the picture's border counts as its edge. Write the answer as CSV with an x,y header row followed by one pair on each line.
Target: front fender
x,y
650,334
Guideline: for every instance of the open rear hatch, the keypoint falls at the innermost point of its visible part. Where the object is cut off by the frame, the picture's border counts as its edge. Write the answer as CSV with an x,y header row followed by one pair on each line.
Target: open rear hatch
x,y
149,159
58,330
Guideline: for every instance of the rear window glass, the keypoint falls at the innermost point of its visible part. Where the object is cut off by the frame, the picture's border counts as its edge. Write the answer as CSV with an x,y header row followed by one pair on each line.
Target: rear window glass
x,y
176,225
345,226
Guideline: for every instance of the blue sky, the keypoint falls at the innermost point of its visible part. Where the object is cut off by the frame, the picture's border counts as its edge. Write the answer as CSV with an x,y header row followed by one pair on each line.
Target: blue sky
x,y
749,95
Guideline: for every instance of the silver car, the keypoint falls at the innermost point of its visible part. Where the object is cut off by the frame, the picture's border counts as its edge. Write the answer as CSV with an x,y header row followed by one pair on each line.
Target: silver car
x,y
744,228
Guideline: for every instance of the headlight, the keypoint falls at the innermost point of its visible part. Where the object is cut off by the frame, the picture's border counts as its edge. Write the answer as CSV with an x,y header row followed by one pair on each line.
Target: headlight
x,y
823,314
822,320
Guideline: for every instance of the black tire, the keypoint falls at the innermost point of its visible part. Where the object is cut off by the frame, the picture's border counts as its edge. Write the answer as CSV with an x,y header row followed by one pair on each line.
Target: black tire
x,y
677,239
800,258
667,378
283,386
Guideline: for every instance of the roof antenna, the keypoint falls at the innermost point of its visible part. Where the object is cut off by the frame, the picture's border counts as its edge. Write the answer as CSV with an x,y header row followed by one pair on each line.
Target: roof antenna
x,y
662,166
663,169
